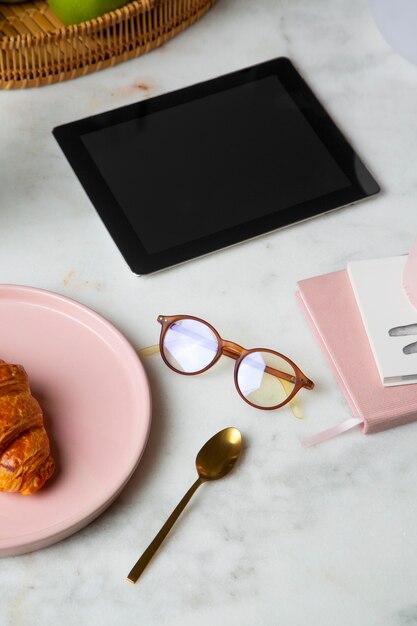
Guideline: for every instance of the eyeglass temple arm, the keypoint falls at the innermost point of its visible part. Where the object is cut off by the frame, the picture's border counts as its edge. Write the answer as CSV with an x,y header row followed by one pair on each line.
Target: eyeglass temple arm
x,y
149,351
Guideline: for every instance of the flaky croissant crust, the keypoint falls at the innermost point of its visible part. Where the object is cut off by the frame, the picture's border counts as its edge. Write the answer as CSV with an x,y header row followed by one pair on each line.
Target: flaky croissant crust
x,y
25,460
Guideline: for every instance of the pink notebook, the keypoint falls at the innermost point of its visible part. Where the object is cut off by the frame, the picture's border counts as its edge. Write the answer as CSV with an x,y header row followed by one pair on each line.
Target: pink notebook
x,y
330,307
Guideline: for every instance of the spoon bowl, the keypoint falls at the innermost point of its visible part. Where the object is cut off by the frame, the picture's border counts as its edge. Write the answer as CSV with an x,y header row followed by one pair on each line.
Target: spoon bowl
x,y
215,460
218,456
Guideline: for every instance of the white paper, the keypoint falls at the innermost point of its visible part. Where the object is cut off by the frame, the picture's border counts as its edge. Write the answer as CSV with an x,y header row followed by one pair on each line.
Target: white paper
x,y
385,308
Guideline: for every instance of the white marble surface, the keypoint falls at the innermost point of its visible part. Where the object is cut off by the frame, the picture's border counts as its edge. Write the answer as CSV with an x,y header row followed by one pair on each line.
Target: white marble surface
x,y
321,537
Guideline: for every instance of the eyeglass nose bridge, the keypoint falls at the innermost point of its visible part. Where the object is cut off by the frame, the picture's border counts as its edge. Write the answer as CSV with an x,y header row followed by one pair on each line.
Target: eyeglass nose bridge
x,y
231,349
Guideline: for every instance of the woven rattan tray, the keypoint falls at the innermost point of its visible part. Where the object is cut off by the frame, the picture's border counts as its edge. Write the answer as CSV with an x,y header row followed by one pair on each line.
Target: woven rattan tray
x,y
37,49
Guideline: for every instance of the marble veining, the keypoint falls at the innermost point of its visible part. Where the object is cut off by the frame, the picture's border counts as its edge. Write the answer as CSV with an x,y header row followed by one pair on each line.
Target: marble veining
x,y
325,536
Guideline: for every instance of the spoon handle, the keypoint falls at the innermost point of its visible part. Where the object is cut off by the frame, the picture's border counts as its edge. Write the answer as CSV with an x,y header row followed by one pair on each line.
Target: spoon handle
x,y
143,561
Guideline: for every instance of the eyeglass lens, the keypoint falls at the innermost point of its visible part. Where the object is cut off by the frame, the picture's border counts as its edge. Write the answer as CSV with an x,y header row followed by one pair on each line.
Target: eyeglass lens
x,y
190,346
259,381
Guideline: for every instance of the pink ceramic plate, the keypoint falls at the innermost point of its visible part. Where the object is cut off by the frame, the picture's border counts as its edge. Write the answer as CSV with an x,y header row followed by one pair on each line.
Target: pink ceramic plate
x,y
96,401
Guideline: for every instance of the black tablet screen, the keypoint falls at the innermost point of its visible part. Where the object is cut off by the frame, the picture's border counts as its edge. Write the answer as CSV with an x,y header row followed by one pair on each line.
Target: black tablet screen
x,y
206,165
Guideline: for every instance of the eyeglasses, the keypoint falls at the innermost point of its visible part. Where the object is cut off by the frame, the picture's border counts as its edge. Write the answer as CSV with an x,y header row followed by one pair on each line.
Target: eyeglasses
x,y
265,379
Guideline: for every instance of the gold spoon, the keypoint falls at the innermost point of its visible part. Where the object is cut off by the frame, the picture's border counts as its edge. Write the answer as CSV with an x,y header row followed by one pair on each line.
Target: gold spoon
x,y
216,459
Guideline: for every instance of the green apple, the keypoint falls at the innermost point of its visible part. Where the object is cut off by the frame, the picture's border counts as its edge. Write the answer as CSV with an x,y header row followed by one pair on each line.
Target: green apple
x,y
76,11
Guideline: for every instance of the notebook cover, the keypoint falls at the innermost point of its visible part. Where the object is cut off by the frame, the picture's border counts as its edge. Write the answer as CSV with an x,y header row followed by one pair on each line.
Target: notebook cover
x,y
330,307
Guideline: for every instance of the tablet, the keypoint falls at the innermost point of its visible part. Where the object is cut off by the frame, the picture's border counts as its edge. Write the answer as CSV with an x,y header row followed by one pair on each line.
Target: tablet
x,y
202,168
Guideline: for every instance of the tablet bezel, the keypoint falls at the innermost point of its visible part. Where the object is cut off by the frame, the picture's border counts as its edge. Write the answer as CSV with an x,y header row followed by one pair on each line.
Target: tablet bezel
x,y
69,137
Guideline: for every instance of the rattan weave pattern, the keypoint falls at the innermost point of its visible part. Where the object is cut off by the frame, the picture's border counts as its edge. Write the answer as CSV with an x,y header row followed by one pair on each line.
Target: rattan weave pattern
x,y
37,49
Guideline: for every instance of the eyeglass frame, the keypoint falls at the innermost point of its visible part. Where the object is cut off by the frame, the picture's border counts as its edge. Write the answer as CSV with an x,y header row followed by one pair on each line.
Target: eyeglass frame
x,y
238,353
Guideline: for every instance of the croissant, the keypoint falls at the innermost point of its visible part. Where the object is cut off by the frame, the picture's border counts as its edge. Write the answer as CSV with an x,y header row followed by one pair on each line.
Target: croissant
x,y
25,460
